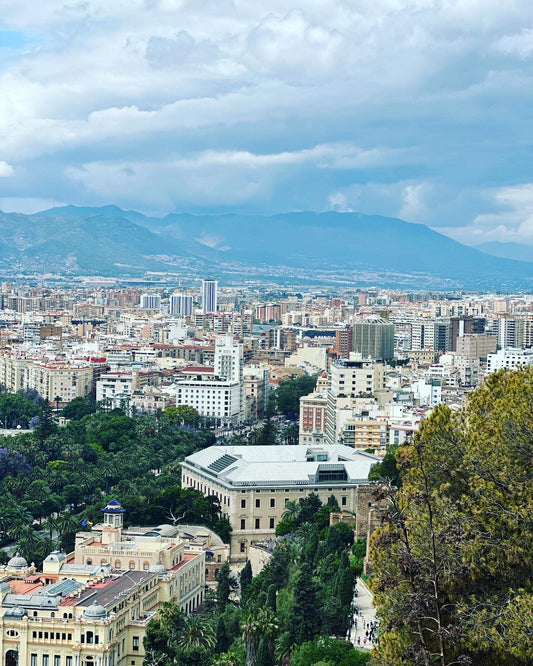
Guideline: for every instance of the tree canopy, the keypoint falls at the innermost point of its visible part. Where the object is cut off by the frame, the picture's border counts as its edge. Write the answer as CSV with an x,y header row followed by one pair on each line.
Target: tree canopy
x,y
453,562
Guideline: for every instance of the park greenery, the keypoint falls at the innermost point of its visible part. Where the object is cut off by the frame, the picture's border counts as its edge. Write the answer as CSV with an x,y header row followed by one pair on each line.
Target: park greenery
x,y
53,478
298,607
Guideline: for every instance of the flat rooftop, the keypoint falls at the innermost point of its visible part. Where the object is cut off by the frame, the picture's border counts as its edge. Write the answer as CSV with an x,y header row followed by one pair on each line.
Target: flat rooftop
x,y
283,465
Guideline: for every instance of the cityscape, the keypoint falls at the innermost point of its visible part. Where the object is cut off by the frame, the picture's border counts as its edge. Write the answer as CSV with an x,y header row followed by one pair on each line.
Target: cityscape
x,y
266,333
365,369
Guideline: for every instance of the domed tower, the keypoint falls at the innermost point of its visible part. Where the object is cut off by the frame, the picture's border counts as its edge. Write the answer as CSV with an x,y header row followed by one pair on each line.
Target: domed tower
x,y
113,521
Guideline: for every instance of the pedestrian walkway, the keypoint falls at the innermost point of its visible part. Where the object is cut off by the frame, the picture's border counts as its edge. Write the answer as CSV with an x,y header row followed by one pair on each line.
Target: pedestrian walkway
x,y
364,614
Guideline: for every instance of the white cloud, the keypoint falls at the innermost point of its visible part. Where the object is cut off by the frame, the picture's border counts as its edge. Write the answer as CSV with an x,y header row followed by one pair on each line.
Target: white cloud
x,y
520,44
6,169
513,223
160,86
414,204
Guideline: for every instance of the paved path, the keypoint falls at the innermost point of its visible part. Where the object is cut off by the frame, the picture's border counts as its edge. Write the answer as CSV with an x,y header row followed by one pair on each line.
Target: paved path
x,y
364,613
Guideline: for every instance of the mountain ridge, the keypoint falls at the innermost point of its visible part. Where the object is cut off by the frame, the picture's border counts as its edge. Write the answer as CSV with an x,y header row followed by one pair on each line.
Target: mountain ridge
x,y
108,240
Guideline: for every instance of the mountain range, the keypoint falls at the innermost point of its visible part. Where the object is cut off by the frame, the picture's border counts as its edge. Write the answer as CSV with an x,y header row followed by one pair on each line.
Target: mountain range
x,y
323,247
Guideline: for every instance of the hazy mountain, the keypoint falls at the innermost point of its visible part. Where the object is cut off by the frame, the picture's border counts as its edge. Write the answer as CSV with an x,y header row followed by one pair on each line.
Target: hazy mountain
x,y
508,250
109,240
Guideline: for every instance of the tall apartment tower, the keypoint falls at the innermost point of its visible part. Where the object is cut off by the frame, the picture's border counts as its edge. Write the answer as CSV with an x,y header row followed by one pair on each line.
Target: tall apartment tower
x,y
228,359
150,302
374,337
344,341
209,296
181,305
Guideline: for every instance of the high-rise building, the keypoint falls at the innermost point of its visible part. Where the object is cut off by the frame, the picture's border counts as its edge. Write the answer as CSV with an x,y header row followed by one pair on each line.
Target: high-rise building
x,y
209,296
228,359
150,302
344,341
181,305
373,337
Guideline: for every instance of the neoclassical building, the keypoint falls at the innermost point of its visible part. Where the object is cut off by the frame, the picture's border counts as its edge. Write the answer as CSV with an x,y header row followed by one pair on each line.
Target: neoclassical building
x,y
254,483
92,607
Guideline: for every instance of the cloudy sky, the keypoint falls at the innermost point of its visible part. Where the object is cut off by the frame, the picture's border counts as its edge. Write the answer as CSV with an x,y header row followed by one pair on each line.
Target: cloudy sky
x,y
421,109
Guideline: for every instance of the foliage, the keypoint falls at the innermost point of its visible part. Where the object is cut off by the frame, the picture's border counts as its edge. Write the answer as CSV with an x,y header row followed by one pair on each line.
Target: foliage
x,y
16,410
288,393
387,470
330,650
453,563
78,408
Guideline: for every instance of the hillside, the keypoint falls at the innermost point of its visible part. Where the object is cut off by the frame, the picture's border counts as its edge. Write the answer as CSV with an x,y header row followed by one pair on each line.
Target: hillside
x,y
307,246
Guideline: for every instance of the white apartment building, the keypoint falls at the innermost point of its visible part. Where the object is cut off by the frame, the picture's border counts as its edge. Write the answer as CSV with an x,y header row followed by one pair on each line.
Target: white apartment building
x,y
228,359
181,305
212,399
219,398
115,384
50,380
511,358
150,302
350,379
209,296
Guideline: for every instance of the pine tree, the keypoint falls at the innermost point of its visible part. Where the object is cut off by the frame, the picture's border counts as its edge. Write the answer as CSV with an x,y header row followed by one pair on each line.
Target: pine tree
x,y
306,618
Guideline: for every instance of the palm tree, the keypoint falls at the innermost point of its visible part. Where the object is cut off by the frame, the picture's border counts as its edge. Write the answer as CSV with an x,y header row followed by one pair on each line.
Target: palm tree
x,y
50,524
196,633
292,509
264,626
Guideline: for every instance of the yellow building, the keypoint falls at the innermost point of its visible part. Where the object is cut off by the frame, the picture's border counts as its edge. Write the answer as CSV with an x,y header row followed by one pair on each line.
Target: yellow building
x,y
92,607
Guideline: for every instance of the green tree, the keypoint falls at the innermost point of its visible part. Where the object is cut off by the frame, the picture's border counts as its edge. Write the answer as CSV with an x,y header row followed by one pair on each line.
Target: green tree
x,y
328,650
453,563
183,415
245,578
288,394
306,613
224,587
262,626
78,408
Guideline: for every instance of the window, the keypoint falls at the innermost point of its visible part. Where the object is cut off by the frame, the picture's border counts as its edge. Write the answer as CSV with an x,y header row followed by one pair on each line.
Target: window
x,y
343,501
257,503
46,660
243,547
57,660
272,502
135,642
243,523
257,523
33,660
68,661
243,504
272,523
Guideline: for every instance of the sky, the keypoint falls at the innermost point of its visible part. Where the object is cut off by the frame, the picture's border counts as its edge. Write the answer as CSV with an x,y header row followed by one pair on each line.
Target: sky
x,y
419,109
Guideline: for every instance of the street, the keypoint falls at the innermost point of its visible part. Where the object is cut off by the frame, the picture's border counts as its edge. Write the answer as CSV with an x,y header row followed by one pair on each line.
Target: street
x,y
364,613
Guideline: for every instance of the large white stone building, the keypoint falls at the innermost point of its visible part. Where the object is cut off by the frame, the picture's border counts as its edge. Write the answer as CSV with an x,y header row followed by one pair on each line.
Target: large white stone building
x,y
254,483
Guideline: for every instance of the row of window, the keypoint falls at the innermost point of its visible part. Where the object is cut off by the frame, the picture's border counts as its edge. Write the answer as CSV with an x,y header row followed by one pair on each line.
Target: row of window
x,y
258,503
53,635
46,660
257,523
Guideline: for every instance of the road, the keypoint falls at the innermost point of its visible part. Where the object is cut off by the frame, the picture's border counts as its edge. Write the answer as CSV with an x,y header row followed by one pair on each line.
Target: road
x,y
364,613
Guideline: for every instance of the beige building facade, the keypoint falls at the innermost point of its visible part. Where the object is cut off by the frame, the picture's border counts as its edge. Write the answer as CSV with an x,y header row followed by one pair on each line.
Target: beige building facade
x,y
254,483
92,607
